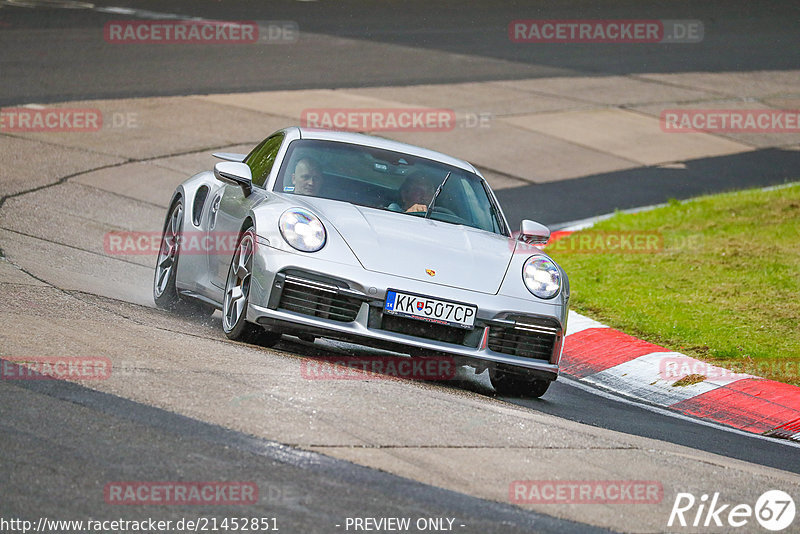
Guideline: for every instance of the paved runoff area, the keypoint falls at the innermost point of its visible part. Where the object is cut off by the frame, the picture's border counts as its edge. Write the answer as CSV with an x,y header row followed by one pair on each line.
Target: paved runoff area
x,y
67,294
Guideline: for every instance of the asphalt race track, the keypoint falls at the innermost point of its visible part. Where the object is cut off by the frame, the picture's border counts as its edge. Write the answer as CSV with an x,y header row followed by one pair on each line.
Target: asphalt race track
x,y
410,44
185,404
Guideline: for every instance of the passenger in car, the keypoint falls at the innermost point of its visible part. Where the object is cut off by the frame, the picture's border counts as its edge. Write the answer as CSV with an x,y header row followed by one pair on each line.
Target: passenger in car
x,y
415,194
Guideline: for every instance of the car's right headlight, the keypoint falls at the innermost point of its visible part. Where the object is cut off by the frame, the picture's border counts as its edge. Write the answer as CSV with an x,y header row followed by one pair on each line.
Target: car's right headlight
x,y
541,277
302,230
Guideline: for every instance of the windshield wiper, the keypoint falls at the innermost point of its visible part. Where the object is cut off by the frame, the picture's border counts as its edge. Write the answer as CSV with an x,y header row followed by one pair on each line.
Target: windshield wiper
x,y
436,194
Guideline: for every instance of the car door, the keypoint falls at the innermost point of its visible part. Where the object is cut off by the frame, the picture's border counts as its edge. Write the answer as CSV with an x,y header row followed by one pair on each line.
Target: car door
x,y
230,207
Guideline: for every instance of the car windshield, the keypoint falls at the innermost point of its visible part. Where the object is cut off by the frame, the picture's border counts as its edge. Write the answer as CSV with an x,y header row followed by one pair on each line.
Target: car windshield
x,y
387,180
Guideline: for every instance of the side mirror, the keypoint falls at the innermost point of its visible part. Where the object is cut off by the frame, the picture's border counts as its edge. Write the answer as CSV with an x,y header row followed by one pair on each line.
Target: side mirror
x,y
234,173
533,233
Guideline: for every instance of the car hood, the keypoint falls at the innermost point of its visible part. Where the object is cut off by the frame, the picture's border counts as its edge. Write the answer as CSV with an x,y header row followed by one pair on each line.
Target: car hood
x,y
409,246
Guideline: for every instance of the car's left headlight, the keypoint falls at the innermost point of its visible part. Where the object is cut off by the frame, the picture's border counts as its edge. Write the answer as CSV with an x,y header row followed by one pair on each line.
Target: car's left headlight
x,y
302,230
541,277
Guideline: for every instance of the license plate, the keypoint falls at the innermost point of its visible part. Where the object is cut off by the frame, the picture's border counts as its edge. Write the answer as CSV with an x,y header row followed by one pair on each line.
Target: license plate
x,y
430,309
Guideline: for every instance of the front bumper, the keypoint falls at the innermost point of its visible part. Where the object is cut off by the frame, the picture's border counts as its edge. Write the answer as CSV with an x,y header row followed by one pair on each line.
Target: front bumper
x,y
345,302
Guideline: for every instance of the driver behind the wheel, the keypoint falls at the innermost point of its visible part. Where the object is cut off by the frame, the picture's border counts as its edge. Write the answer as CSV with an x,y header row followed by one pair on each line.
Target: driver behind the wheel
x,y
307,177
415,194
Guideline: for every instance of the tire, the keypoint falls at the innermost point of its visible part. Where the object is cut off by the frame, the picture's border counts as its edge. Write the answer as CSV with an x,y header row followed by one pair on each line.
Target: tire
x,y
237,295
165,292
510,383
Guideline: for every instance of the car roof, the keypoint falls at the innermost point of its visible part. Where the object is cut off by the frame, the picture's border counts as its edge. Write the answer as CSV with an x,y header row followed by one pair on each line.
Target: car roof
x,y
385,144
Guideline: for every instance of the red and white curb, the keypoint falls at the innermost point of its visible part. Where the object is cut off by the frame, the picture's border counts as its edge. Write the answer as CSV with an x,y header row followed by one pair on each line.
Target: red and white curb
x,y
613,360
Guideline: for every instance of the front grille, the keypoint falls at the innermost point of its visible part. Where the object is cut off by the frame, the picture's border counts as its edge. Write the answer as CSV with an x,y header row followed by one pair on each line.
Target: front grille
x,y
423,329
529,338
318,299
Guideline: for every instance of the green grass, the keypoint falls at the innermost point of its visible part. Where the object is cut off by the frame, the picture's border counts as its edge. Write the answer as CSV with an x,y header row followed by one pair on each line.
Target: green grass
x,y
723,286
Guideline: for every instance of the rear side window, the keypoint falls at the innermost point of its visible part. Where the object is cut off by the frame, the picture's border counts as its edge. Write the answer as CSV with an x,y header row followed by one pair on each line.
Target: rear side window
x,y
262,158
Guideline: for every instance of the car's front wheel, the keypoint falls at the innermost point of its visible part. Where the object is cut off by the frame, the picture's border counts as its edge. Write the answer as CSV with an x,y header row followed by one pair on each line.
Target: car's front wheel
x,y
237,294
165,292
514,383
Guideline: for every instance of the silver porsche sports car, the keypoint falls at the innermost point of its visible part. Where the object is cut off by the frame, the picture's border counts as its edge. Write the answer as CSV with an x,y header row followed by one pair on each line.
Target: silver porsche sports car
x,y
358,238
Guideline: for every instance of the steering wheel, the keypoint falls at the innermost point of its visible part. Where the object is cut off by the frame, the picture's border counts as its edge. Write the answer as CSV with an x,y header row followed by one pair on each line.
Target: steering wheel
x,y
446,215
446,211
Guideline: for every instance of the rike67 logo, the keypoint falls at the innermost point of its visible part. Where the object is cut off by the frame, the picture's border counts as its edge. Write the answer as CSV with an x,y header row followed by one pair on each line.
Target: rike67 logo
x,y
774,510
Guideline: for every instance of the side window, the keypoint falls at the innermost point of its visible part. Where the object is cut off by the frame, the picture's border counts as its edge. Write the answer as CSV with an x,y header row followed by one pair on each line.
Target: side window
x,y
262,158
